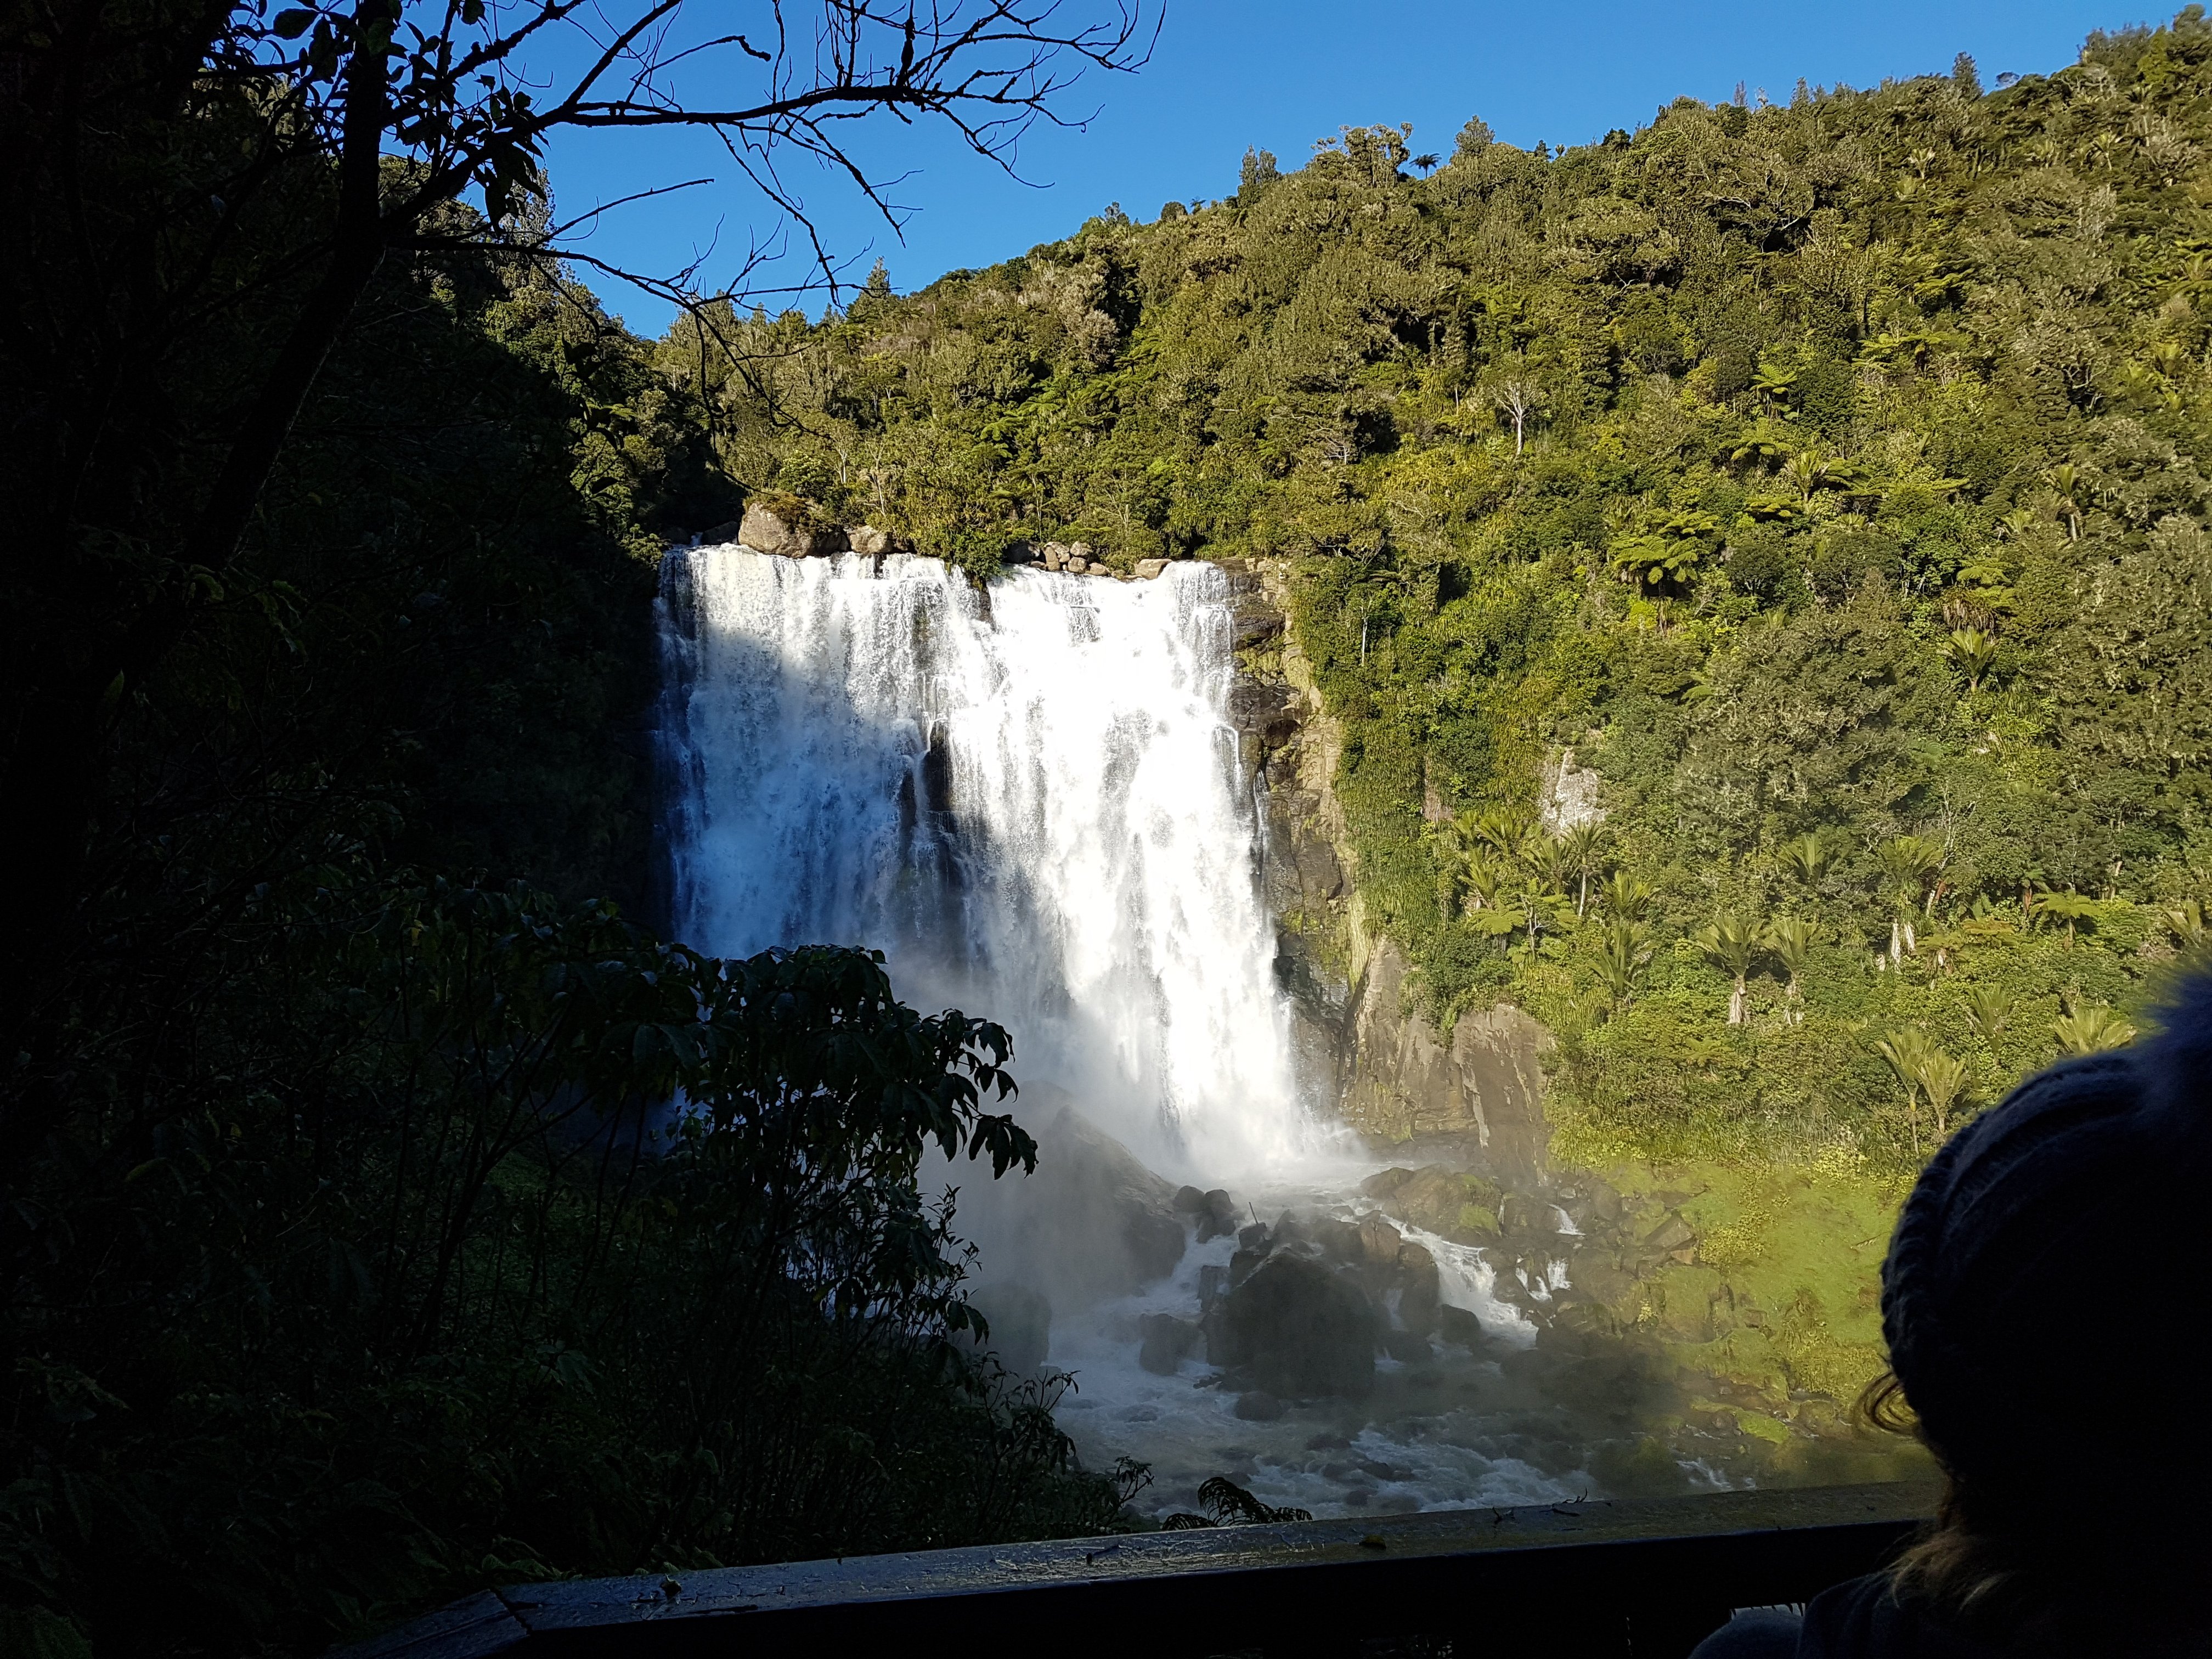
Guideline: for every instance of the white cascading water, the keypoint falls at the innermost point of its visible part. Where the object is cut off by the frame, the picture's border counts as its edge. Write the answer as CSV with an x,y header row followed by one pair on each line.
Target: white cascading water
x,y
1029,800
1032,802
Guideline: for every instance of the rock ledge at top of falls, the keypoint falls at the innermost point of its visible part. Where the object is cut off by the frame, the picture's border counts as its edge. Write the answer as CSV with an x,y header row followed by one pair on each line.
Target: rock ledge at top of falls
x,y
789,533
1075,559
789,528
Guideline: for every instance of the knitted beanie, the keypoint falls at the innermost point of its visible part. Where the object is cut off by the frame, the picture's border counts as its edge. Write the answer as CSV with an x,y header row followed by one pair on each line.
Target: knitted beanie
x,y
2042,1290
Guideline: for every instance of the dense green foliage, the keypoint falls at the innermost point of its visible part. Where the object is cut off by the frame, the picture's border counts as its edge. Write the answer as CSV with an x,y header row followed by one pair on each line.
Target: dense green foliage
x,y
415,1284
351,1254
1823,476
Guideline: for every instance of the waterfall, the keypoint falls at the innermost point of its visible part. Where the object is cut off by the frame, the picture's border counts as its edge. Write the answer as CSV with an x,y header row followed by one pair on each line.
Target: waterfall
x,y
1028,799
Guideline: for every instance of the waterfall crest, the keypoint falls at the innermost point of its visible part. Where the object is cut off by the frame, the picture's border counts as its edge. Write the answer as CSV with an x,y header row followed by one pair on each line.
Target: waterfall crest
x,y
1029,799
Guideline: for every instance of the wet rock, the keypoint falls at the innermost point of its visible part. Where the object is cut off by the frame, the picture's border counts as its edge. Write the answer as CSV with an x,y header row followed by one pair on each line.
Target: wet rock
x,y
1527,1215
1136,1202
1166,1342
1148,568
1213,1284
1219,1218
1406,1347
1301,1328
1597,1202
866,539
1338,1240
1320,873
1258,1407
1382,1185
1458,1325
1254,619
1420,1289
1188,1200
1597,1276
1241,1264
1379,1241
790,532
1462,1208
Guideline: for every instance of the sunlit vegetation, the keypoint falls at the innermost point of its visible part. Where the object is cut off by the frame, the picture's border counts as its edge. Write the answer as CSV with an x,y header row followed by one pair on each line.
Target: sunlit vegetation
x,y
1822,474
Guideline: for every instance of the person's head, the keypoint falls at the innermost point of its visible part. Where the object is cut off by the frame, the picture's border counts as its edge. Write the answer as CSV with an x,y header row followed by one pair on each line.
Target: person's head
x,y
2042,1300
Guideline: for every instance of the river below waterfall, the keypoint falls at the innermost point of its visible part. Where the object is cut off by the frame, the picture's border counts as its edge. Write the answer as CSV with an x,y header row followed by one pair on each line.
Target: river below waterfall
x,y
1031,799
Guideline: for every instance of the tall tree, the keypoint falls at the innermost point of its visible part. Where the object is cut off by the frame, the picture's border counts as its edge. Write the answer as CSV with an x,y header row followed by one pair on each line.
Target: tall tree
x,y
1731,943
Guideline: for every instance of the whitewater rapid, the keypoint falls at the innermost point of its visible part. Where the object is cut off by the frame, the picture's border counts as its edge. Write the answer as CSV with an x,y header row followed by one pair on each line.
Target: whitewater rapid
x,y
1029,799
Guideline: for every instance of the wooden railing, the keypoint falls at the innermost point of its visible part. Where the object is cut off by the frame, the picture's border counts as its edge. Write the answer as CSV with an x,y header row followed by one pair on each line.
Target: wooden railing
x,y
1640,1577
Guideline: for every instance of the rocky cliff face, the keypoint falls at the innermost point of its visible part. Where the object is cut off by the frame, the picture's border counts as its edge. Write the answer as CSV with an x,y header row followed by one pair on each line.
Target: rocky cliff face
x,y
1637,1282
1397,1077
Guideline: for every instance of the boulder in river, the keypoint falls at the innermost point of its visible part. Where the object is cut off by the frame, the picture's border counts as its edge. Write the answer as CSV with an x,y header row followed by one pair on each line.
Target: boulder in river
x,y
1219,1220
1213,1215
1300,1328
1420,1288
1166,1341
1458,1326
1462,1206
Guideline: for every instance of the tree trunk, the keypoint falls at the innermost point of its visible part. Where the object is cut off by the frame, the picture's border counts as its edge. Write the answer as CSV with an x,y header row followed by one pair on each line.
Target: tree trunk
x,y
1735,1002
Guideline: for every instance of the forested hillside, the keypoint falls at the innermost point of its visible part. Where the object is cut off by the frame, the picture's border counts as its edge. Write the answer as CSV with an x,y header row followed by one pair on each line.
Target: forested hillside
x,y
1824,474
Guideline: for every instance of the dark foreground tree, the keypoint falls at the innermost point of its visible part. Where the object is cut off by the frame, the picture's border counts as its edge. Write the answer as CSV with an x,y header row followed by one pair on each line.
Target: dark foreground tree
x,y
420,1281
199,196
354,1251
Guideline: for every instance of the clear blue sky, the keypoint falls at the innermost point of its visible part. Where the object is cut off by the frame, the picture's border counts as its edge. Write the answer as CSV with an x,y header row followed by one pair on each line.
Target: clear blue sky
x,y
1229,73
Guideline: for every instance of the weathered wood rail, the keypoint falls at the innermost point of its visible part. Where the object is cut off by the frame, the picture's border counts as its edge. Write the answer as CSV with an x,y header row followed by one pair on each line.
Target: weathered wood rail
x,y
1637,1577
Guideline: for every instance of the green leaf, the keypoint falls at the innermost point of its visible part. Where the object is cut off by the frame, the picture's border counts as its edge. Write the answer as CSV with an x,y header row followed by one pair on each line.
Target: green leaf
x,y
291,25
